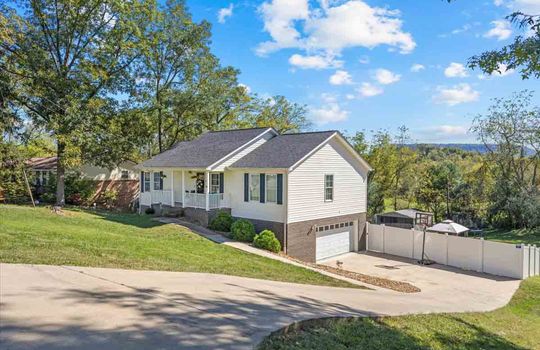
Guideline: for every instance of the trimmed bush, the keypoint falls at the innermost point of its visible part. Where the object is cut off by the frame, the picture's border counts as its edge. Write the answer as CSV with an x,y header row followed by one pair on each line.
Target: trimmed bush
x,y
267,240
243,230
222,222
149,211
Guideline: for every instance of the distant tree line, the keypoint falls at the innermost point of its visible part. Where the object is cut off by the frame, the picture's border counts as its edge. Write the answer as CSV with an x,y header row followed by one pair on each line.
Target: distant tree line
x,y
110,80
499,188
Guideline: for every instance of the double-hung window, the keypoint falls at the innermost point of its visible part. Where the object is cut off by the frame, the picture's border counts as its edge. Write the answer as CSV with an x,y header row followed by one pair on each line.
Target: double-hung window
x,y
254,187
157,181
271,188
328,188
214,183
146,182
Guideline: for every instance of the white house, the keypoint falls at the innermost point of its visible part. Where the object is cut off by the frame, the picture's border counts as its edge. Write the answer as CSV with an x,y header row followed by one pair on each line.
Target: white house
x,y
310,188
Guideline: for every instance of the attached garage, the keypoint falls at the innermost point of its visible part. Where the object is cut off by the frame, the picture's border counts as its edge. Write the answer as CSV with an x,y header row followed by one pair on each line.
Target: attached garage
x,y
335,239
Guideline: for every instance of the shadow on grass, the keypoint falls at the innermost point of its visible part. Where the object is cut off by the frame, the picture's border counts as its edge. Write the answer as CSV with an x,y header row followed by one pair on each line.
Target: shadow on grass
x,y
373,333
132,219
152,319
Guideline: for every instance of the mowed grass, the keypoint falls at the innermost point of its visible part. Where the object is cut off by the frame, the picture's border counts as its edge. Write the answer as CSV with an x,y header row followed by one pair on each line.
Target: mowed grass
x,y
515,326
523,235
131,241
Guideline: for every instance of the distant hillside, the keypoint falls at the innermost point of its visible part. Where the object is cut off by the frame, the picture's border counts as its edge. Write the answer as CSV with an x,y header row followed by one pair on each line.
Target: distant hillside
x,y
468,147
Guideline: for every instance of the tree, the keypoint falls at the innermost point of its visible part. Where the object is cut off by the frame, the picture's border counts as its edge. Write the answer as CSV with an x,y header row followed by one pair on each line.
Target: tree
x,y
510,132
279,113
172,48
69,58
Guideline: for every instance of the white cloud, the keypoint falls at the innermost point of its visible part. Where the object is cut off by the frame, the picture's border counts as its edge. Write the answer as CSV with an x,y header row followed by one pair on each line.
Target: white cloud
x,y
461,93
330,113
385,77
369,90
331,27
314,62
417,67
246,87
501,72
454,130
350,96
498,2
224,13
340,77
329,97
531,7
501,30
455,70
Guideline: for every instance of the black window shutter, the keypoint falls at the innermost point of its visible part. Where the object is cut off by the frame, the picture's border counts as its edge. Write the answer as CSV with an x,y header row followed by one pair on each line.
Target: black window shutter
x,y
161,180
246,187
262,186
221,182
142,181
279,188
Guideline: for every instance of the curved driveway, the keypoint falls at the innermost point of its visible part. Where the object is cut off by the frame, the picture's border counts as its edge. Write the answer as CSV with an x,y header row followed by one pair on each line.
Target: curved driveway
x,y
57,307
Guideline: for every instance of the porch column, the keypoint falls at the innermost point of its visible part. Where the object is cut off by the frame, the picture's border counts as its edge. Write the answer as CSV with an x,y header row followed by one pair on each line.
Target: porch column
x,y
183,191
207,189
172,188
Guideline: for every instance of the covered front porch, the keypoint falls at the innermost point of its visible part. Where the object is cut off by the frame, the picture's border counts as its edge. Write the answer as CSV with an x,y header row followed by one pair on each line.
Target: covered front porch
x,y
183,188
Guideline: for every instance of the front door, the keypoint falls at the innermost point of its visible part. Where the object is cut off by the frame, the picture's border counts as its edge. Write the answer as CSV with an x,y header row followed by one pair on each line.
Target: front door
x,y
199,183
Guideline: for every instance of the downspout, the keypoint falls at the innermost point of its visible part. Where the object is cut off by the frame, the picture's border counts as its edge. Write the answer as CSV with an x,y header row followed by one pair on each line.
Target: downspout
x,y
286,202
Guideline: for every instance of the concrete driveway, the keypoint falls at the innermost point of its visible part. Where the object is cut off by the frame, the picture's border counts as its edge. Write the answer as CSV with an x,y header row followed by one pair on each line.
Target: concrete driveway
x,y
59,307
436,281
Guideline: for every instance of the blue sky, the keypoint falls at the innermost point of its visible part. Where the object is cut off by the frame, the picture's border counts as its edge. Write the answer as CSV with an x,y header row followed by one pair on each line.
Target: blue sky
x,y
368,65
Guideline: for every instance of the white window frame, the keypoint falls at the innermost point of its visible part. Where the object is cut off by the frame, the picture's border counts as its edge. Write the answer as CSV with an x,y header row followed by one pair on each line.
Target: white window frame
x,y
268,187
146,180
326,187
214,188
124,172
258,198
158,183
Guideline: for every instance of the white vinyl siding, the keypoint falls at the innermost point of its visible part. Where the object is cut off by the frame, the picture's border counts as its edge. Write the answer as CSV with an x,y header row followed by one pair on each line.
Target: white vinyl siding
x,y
306,185
234,187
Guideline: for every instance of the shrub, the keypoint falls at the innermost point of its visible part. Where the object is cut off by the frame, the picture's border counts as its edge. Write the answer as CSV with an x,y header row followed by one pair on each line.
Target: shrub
x,y
243,230
108,197
267,240
149,211
222,222
48,198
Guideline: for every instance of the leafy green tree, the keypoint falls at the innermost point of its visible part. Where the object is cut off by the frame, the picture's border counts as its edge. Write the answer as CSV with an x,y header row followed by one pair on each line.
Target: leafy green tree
x,y
69,58
279,113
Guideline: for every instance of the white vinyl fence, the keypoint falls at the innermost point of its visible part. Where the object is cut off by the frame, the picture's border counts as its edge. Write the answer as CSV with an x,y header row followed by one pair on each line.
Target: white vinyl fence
x,y
503,259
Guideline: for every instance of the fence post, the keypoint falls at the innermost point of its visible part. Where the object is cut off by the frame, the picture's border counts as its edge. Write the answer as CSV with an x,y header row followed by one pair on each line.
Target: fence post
x,y
446,241
482,253
383,238
367,236
412,243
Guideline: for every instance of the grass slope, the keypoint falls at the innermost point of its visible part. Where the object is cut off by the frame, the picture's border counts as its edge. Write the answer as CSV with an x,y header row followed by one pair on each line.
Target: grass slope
x,y
515,326
130,241
528,236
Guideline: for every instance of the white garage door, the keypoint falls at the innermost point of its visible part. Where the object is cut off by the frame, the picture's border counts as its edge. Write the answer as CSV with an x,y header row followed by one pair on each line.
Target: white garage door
x,y
334,242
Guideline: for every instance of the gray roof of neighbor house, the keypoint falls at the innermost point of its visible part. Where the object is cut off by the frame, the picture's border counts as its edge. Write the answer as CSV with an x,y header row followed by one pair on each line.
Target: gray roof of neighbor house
x,y
42,163
404,213
283,151
204,150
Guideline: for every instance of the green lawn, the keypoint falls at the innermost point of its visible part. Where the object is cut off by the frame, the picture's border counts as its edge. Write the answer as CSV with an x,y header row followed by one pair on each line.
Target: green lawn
x,y
515,326
528,236
130,241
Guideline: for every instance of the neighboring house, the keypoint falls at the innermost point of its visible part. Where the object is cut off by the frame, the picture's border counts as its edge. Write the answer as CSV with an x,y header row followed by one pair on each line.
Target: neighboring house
x,y
310,188
450,227
405,218
123,179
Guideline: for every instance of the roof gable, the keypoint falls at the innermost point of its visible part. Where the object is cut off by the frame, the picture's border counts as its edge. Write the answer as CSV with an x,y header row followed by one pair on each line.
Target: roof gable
x,y
206,150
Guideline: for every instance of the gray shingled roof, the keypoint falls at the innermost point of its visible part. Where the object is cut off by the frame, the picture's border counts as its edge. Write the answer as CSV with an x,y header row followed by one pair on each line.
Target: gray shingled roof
x,y
283,151
205,150
404,213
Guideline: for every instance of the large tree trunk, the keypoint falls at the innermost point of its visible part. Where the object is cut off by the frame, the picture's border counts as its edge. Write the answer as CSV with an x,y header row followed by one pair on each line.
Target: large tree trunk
x,y
60,175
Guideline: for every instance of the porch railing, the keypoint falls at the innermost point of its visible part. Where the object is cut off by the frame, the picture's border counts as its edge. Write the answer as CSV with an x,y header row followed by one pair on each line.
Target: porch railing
x,y
155,197
198,200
